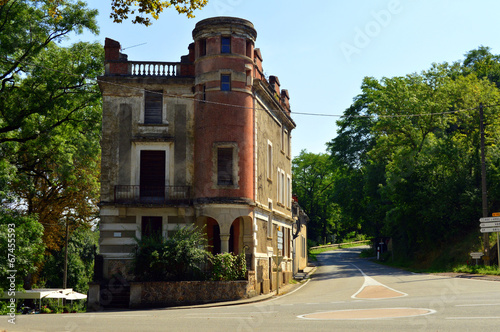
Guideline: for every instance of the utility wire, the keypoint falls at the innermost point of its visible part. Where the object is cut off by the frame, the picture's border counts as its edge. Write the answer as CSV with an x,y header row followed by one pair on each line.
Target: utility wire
x,y
246,107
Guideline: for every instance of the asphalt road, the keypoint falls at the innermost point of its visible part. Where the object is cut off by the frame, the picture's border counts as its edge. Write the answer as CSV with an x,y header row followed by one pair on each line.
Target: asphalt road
x,y
345,294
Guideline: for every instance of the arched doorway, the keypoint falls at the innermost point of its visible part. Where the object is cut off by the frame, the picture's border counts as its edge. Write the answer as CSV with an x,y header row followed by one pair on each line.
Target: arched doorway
x,y
234,237
213,235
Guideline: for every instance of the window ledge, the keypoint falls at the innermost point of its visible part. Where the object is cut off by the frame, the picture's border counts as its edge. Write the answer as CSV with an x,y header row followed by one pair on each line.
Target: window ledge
x,y
153,124
220,186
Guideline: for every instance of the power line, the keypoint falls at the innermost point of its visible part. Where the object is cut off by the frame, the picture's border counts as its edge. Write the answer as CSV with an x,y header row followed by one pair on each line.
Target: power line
x,y
246,107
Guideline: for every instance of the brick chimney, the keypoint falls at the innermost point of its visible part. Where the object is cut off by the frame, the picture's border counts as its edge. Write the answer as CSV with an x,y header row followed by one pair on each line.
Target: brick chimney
x,y
114,61
285,99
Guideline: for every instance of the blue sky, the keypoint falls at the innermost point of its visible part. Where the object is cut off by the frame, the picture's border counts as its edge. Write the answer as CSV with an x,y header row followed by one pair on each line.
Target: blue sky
x,y
322,49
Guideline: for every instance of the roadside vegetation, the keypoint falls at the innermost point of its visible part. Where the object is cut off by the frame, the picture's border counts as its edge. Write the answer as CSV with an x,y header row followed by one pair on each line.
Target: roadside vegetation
x,y
405,164
184,256
313,252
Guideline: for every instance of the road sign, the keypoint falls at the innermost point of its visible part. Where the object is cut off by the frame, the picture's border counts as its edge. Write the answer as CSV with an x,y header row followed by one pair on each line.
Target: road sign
x,y
490,224
490,230
489,219
476,255
496,214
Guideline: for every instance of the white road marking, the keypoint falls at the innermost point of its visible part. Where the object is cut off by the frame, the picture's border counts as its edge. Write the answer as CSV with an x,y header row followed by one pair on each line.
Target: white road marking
x,y
369,281
458,318
476,305
212,317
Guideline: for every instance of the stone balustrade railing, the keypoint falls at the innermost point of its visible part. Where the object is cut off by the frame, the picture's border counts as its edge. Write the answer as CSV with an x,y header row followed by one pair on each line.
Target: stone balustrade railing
x,y
153,68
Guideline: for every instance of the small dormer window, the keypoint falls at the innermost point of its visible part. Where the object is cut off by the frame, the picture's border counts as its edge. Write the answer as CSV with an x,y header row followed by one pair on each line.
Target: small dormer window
x,y
225,45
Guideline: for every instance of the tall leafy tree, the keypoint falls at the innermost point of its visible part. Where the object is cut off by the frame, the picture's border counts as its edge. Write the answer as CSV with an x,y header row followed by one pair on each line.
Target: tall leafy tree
x,y
81,254
33,98
143,10
121,9
25,247
49,115
409,152
313,183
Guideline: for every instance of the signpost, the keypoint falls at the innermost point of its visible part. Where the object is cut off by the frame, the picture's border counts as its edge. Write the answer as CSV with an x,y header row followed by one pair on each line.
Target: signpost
x,y
497,214
490,229
476,255
490,219
277,260
280,240
490,225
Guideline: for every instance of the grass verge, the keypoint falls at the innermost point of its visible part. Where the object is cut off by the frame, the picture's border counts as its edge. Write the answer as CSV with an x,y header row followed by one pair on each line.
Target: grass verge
x,y
313,253
479,269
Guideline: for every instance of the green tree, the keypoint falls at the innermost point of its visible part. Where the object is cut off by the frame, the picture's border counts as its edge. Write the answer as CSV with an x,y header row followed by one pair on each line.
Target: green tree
x,y
121,9
81,253
483,64
25,247
313,184
32,100
408,155
57,172
359,178
49,115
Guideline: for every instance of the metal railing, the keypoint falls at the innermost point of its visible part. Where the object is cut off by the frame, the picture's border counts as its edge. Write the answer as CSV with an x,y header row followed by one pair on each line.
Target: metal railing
x,y
152,195
154,68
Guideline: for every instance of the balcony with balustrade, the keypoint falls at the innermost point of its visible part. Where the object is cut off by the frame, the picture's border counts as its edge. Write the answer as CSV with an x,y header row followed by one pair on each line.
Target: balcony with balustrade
x,y
117,64
152,195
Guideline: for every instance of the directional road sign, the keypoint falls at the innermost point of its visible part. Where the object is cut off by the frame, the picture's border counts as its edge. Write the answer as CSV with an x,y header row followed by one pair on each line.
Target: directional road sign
x,y
489,219
490,224
490,230
495,214
476,255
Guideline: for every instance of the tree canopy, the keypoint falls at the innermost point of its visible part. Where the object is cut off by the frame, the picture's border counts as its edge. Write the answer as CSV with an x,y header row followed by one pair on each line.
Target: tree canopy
x,y
50,115
121,9
405,163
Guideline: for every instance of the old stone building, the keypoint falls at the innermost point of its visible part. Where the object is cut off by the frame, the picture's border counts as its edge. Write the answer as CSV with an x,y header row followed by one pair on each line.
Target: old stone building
x,y
203,141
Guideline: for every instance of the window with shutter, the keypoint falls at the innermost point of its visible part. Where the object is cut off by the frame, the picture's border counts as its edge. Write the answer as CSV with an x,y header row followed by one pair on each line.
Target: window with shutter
x,y
153,107
225,166
152,173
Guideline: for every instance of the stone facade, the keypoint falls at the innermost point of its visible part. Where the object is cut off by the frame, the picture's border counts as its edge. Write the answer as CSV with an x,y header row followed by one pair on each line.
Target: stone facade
x,y
168,294
205,141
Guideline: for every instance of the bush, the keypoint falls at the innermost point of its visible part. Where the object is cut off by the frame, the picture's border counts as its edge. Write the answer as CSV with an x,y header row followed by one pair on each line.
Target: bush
x,y
229,267
176,258
45,310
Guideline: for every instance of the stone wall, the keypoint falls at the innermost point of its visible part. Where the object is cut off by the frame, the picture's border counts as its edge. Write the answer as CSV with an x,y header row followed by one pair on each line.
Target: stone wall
x,y
165,294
